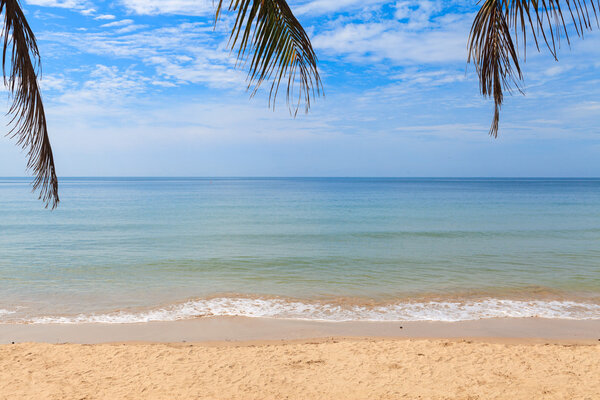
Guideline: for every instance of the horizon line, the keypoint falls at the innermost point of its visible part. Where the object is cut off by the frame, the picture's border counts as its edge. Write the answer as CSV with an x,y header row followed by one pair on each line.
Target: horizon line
x,y
298,177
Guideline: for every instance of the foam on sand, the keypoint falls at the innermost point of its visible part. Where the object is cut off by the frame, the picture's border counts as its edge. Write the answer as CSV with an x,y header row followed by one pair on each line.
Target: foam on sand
x,y
285,309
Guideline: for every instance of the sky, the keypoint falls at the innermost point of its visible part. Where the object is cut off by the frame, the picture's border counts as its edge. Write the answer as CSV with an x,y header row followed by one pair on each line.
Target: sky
x,y
149,88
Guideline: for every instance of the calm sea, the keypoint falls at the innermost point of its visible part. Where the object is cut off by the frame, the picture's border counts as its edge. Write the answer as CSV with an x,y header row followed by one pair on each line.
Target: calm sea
x,y
137,249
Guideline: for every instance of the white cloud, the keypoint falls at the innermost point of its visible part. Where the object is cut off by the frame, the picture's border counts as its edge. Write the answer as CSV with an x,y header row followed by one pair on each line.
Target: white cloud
x,y
58,3
53,82
390,41
118,23
106,85
320,7
556,70
589,108
82,6
181,54
46,15
417,13
422,38
201,70
130,28
430,78
181,7
105,17
163,84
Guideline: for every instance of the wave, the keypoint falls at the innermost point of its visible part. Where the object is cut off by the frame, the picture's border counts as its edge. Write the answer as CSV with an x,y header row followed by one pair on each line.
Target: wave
x,y
284,309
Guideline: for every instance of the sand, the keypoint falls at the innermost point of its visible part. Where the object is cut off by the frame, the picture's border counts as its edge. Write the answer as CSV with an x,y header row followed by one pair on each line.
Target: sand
x,y
253,358
324,369
246,329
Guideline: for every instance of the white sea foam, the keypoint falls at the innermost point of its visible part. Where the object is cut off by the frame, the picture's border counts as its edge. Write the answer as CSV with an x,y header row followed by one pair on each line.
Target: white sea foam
x,y
283,309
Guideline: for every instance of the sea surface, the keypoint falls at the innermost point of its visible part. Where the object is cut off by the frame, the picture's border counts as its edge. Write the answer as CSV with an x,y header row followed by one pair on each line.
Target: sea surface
x,y
121,250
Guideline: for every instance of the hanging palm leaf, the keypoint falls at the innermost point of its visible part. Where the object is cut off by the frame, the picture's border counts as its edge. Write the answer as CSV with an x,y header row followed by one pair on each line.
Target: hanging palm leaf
x,y
280,48
28,117
495,53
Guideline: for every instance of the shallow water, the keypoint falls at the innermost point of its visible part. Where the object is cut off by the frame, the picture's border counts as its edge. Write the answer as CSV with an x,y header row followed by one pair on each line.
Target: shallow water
x,y
125,250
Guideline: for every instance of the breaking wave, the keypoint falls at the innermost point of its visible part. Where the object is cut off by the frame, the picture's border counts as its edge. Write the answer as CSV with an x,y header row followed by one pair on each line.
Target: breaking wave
x,y
286,309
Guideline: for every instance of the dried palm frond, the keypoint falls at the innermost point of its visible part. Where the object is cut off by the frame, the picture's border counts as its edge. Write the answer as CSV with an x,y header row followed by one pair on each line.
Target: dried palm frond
x,y
495,53
27,109
280,50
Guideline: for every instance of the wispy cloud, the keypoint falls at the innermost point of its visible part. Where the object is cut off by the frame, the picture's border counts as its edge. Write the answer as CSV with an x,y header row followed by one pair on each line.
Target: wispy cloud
x,y
420,32
376,42
181,7
118,23
59,3
84,7
53,82
188,53
130,28
107,84
320,7
105,17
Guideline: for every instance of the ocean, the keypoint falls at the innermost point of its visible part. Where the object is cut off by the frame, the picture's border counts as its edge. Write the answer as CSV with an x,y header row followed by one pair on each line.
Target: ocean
x,y
123,250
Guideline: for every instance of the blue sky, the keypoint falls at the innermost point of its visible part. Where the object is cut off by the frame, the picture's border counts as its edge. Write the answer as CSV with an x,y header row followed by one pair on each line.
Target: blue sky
x,y
148,88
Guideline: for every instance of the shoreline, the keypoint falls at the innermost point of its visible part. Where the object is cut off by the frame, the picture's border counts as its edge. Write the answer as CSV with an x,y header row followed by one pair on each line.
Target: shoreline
x,y
450,309
245,329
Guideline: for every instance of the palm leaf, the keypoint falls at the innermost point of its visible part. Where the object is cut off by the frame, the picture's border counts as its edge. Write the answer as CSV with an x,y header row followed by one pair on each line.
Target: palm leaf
x,y
27,110
269,37
495,53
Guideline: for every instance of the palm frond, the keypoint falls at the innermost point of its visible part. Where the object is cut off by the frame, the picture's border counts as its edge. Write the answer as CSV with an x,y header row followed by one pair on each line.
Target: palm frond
x,y
268,35
495,53
27,109
495,56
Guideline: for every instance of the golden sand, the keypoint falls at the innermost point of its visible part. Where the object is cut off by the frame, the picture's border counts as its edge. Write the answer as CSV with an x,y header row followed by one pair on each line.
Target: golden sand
x,y
331,369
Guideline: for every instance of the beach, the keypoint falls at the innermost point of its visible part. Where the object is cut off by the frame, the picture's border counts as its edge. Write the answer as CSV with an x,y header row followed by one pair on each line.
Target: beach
x,y
350,228
249,358
307,199
301,289
243,329
313,369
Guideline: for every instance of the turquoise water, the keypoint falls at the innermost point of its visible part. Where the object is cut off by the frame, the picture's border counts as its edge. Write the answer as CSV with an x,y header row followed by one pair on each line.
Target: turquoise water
x,y
127,250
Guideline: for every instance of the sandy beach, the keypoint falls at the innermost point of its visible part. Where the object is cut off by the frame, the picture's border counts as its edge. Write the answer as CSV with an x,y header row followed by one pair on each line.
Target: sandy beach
x,y
320,369
290,200
244,358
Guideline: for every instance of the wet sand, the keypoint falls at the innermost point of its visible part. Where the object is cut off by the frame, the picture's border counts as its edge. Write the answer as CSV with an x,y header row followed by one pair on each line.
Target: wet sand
x,y
253,329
